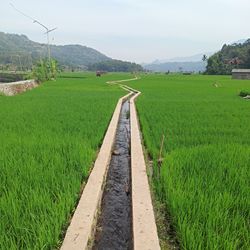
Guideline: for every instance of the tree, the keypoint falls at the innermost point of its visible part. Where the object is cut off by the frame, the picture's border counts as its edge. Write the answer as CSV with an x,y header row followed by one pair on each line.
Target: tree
x,y
204,58
229,57
115,66
45,70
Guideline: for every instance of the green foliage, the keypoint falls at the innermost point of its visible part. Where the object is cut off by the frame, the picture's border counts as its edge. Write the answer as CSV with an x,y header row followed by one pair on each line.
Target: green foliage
x,y
45,70
115,66
244,93
204,58
49,138
53,69
218,64
204,178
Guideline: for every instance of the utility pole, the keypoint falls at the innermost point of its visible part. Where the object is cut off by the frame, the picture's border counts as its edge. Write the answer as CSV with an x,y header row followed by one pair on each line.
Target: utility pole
x,y
20,63
42,25
46,33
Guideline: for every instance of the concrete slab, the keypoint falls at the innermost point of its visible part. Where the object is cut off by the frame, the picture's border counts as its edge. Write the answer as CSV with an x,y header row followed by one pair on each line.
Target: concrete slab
x,y
145,236
126,80
144,227
83,222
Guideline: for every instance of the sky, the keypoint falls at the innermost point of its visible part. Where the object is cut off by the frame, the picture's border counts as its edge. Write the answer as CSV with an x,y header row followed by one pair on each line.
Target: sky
x,y
133,30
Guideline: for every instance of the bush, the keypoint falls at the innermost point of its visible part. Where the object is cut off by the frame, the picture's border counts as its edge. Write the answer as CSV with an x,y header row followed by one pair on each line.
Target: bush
x,y
244,93
45,70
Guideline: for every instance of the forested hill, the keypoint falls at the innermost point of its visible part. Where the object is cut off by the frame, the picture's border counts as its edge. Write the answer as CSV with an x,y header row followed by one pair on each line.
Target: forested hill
x,y
14,47
232,56
116,66
19,52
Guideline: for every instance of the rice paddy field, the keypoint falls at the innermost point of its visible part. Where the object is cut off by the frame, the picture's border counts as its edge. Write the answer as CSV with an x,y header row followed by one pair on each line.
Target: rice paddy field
x,y
49,138
204,178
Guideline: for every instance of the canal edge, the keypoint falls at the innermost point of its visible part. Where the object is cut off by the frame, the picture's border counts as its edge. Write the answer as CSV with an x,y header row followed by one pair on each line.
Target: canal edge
x,y
145,234
82,225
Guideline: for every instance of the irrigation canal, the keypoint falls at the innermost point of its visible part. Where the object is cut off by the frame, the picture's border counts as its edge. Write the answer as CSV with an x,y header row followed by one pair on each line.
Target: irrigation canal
x,y
114,225
115,210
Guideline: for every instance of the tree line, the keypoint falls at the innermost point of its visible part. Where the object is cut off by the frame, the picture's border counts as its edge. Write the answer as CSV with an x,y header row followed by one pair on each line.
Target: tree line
x,y
229,57
115,66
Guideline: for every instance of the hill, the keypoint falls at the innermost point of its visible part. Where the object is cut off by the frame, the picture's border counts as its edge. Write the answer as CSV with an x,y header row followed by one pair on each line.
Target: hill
x,y
18,52
191,58
116,66
231,56
18,48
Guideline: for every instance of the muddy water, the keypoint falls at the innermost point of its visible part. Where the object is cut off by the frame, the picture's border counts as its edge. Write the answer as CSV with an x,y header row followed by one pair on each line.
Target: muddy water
x,y
114,226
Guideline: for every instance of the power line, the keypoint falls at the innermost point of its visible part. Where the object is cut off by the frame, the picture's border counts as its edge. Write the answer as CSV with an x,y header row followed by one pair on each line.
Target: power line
x,y
42,25
21,12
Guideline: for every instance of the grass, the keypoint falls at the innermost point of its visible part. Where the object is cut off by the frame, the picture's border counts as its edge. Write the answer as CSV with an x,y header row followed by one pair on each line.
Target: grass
x,y
204,177
49,139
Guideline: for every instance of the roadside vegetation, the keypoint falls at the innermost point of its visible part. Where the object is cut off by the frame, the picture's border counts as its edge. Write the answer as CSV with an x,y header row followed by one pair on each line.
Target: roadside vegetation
x,y
203,178
49,140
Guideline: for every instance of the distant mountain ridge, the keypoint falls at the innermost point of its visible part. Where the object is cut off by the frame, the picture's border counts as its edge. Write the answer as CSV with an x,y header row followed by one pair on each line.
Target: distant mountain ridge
x,y
192,58
177,67
189,63
15,48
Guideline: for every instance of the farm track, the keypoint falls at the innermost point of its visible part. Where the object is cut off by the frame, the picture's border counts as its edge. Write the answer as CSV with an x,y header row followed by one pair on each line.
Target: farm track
x,y
136,212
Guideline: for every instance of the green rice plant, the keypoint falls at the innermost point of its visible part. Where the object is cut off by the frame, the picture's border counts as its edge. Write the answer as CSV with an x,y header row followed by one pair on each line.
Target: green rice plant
x,y
204,176
49,140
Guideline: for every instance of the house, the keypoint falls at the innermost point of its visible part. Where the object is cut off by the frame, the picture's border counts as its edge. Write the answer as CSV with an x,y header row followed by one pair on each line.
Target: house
x,y
234,61
242,74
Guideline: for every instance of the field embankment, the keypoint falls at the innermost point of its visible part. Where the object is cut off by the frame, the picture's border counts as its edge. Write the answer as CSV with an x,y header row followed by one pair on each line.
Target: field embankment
x,y
14,88
203,180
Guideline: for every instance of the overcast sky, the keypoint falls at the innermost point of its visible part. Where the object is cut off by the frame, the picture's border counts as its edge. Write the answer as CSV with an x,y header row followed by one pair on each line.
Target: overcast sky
x,y
134,30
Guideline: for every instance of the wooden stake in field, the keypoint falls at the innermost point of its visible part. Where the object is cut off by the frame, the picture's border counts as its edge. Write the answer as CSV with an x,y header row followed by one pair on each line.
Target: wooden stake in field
x,y
160,158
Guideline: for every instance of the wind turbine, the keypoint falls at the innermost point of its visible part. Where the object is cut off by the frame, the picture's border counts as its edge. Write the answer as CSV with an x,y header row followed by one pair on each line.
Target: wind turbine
x,y
42,25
